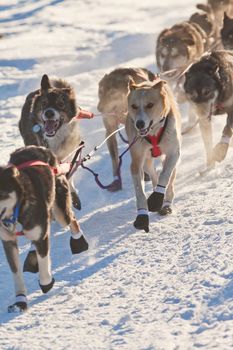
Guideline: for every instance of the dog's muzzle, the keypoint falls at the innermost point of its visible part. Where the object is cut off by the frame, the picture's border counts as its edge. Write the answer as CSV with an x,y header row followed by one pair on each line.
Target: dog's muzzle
x,y
52,122
140,126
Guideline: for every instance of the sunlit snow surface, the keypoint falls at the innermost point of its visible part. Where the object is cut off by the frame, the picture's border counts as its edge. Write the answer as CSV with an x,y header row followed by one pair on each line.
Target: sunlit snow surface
x,y
170,289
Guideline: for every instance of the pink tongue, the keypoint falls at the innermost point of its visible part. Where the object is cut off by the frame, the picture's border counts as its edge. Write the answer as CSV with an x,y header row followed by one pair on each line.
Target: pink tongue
x,y
51,126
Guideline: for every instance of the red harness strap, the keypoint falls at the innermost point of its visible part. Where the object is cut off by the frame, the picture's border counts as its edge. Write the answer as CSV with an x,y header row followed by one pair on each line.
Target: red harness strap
x,y
84,115
62,169
154,140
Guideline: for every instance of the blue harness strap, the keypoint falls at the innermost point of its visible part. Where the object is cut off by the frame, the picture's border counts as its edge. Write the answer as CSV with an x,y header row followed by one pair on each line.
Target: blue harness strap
x,y
14,217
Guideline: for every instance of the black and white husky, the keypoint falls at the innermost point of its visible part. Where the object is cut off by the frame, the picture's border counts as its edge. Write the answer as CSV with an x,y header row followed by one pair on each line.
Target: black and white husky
x,y
30,193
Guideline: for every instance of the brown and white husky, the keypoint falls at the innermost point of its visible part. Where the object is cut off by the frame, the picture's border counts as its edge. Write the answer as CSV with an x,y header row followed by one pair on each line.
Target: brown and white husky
x,y
48,119
29,193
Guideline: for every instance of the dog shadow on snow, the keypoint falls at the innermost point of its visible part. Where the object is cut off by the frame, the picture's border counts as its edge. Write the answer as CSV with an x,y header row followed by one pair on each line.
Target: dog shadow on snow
x,y
104,231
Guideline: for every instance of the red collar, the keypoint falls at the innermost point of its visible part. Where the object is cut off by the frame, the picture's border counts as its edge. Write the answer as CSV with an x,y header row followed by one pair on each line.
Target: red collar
x,y
62,169
154,140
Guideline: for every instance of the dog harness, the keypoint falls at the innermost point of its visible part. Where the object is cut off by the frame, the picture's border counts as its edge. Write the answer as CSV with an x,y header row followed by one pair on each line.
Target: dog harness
x,y
62,169
154,140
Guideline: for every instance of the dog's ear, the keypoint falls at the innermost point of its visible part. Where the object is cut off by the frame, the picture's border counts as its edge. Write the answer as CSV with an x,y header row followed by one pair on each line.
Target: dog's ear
x,y
131,84
9,172
189,41
164,34
45,83
226,17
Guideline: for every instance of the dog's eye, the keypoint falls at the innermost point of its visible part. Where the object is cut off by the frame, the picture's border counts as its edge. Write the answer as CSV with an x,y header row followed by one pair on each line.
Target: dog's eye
x,y
150,105
60,103
134,106
206,91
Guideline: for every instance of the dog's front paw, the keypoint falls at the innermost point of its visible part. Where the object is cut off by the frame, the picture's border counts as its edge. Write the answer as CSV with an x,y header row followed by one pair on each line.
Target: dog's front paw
x,y
78,245
220,151
46,287
76,201
20,304
142,222
31,262
155,200
116,185
166,210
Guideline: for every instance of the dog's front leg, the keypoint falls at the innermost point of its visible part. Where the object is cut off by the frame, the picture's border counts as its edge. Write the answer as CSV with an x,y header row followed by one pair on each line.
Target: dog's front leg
x,y
64,215
156,199
142,219
220,150
207,137
43,258
12,254
111,125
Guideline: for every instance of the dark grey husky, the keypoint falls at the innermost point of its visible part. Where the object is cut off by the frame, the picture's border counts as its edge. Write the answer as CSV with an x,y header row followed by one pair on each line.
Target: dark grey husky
x,y
208,86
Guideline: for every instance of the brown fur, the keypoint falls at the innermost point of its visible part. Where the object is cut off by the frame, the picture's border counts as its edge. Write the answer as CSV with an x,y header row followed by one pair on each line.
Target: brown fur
x,y
113,92
52,108
37,191
179,46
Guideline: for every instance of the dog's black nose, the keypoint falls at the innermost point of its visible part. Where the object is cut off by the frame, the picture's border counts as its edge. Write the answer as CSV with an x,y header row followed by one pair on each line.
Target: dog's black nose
x,y
140,124
49,113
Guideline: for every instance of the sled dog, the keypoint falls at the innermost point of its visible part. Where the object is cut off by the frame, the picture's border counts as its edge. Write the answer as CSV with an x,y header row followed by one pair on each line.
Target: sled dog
x,y
177,47
29,193
208,86
113,92
48,118
153,124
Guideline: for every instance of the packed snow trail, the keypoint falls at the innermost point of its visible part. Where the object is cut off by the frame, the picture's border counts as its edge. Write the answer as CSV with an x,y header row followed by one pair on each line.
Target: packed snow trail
x,y
170,289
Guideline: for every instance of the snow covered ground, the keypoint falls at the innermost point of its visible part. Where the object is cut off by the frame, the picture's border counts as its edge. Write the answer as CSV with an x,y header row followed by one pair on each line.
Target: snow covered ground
x,y
169,289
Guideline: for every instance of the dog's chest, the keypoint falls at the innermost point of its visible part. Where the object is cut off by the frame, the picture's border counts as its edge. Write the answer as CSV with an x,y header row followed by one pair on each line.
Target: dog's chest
x,y
65,141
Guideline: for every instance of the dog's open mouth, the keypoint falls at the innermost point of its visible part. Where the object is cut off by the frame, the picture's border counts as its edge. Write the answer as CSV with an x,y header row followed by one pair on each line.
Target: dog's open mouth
x,y
51,127
145,131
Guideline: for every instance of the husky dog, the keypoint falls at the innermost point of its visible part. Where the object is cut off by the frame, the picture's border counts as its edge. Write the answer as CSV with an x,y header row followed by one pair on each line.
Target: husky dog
x,y
113,92
48,119
176,49
208,86
29,192
153,123
180,45
227,33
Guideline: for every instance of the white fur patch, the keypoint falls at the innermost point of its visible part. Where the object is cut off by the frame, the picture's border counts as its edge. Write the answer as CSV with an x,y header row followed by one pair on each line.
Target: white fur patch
x,y
34,234
9,204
